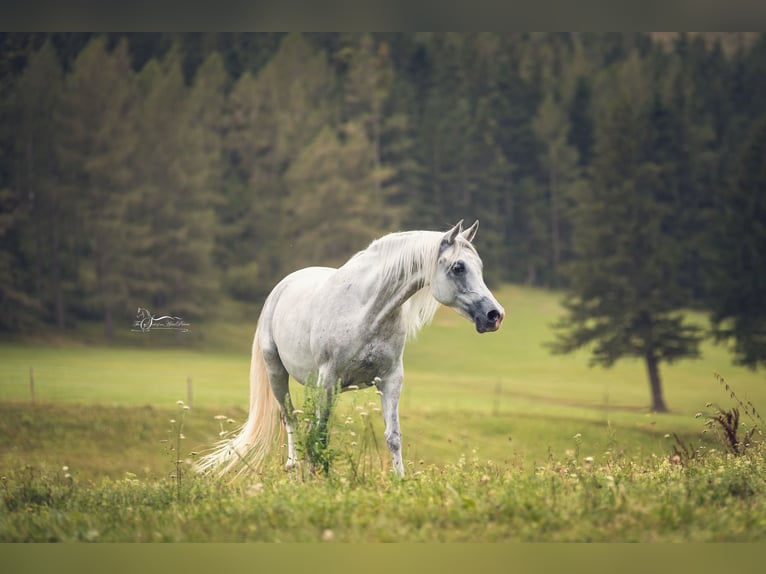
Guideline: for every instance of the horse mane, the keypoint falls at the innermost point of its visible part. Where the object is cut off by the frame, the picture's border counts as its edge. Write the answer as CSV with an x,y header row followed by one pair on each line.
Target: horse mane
x,y
409,255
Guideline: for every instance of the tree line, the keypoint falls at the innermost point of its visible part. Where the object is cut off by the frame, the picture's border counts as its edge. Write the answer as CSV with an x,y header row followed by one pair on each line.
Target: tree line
x,y
173,170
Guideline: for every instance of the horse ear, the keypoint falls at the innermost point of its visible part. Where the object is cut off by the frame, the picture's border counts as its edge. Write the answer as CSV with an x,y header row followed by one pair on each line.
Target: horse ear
x,y
470,233
449,237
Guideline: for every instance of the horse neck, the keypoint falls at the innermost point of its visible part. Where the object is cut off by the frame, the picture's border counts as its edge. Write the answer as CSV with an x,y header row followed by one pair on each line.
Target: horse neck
x,y
404,290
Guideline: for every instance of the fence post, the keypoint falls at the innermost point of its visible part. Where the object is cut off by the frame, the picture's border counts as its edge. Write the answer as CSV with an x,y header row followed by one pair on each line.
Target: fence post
x,y
189,391
32,383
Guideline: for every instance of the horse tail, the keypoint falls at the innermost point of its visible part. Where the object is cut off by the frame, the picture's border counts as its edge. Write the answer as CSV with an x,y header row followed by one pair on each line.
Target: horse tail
x,y
248,449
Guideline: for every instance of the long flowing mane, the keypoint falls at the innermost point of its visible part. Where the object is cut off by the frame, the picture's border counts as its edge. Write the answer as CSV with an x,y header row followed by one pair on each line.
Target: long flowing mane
x,y
405,257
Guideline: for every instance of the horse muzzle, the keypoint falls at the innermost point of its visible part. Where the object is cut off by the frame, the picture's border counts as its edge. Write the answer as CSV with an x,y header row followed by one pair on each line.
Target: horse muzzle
x,y
489,321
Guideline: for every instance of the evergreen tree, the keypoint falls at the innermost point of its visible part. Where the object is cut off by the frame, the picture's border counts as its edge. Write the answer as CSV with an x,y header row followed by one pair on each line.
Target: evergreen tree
x,y
247,51
739,308
335,209
679,142
270,119
205,116
529,252
249,216
367,101
96,143
443,136
559,161
301,87
43,230
116,185
367,87
338,190
489,182
173,205
300,93
624,298
21,308
525,207
580,134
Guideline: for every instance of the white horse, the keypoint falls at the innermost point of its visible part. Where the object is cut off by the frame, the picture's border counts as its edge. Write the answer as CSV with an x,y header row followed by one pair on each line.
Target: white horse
x,y
348,327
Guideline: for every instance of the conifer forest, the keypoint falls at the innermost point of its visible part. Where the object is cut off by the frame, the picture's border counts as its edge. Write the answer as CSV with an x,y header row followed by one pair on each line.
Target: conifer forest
x,y
176,171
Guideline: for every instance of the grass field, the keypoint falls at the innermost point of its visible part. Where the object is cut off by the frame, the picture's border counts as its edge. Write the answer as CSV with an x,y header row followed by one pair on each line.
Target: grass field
x,y
494,428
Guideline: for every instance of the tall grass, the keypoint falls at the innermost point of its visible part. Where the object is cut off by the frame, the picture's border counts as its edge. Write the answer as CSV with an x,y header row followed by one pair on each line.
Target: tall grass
x,y
717,497
501,443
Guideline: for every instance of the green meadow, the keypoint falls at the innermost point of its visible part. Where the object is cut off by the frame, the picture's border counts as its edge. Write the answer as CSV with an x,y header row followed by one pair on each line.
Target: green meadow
x,y
496,430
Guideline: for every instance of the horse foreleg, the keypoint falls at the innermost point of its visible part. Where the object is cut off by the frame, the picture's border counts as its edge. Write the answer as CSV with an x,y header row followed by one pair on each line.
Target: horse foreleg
x,y
390,389
328,386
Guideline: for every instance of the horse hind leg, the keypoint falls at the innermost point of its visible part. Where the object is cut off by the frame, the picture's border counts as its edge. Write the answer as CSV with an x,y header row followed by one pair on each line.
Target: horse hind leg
x,y
279,382
288,419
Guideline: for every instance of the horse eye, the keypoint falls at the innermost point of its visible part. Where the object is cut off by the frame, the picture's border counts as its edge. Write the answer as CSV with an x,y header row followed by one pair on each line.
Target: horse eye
x,y
458,268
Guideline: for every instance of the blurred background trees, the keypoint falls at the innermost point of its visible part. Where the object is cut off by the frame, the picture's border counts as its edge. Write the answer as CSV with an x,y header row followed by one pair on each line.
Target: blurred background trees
x,y
175,171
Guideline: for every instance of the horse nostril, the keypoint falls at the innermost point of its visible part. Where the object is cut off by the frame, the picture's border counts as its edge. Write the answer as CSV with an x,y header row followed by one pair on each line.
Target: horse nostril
x,y
493,315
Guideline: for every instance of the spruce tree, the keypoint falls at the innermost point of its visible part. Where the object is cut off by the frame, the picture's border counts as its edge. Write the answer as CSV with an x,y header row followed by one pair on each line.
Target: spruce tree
x,y
525,205
581,121
559,162
624,298
739,307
